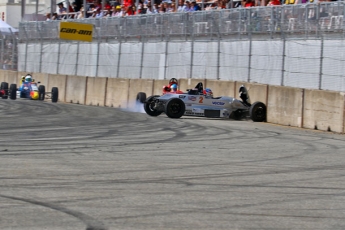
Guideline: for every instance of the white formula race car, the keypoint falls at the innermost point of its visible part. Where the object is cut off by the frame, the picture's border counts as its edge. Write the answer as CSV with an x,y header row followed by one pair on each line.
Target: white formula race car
x,y
195,103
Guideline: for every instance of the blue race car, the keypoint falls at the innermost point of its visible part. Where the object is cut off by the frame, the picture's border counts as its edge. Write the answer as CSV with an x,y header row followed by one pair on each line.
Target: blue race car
x,y
29,89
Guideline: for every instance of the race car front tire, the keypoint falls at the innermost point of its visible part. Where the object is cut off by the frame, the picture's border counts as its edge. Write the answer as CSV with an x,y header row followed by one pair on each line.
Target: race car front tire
x,y
141,97
257,112
41,92
4,86
13,91
55,94
148,107
175,108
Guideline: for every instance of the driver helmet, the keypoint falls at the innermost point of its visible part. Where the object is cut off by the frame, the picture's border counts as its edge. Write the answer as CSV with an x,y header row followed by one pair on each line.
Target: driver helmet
x,y
173,88
208,92
173,81
28,78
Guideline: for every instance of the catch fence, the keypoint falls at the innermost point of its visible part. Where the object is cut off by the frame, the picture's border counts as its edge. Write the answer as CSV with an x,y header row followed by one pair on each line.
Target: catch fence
x,y
291,45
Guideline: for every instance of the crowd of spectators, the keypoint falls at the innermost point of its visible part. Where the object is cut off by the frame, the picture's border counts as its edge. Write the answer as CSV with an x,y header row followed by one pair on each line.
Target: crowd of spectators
x,y
119,9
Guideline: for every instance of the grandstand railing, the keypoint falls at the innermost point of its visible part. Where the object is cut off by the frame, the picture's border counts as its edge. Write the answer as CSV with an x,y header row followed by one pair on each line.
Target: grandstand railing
x,y
286,21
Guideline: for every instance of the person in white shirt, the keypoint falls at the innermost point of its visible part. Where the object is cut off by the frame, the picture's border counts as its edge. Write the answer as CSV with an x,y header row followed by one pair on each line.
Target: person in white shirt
x,y
181,6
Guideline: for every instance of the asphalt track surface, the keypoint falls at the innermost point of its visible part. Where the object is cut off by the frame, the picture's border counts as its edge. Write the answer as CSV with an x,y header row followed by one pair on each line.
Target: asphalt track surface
x,y
65,166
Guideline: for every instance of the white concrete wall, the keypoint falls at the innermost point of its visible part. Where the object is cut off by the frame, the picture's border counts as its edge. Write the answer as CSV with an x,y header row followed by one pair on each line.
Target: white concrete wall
x,y
312,109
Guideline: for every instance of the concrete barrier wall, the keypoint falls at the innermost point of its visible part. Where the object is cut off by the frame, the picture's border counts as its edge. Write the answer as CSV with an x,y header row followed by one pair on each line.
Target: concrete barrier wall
x,y
257,92
323,110
158,87
221,88
95,91
117,92
185,84
76,89
2,75
312,109
59,81
284,106
139,85
8,76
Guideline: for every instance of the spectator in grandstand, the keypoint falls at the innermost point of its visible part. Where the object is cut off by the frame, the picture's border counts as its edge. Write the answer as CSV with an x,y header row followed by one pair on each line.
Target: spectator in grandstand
x,y
221,4
173,6
194,6
273,3
123,11
211,6
116,12
107,13
98,4
89,10
150,9
168,8
161,8
249,3
48,17
75,7
181,6
141,8
61,9
132,10
188,6
81,13
97,13
55,16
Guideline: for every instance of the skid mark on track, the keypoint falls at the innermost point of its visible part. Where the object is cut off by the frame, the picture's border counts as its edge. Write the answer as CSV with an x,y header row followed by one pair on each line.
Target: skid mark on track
x,y
91,223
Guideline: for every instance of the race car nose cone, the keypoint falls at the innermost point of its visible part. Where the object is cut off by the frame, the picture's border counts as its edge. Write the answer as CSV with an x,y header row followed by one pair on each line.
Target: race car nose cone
x,y
34,95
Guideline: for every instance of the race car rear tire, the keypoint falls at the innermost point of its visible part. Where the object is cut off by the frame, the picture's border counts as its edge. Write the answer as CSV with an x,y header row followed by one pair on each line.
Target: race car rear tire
x,y
141,97
175,108
13,91
55,94
148,107
257,112
4,86
41,92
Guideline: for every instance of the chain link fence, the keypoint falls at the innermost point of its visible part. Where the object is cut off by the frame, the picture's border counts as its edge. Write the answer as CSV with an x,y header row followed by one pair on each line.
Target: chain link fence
x,y
8,50
292,45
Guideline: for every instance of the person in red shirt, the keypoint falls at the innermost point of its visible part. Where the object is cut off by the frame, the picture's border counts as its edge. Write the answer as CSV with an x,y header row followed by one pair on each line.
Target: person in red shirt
x,y
273,3
249,3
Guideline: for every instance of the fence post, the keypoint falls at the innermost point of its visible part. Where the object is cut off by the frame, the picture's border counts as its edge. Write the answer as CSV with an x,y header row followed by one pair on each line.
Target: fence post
x,y
119,58
218,51
26,48
2,50
97,58
283,61
192,50
166,59
250,46
14,45
58,57
41,51
142,57
321,62
77,60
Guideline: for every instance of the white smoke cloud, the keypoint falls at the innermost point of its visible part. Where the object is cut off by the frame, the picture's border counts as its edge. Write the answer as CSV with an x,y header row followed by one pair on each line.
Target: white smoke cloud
x,y
135,106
